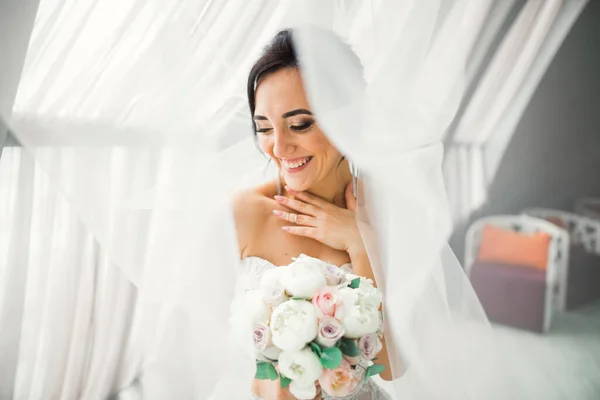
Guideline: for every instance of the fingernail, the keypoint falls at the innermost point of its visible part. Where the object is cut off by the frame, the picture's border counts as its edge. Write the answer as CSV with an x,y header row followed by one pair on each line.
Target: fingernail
x,y
279,199
285,228
278,213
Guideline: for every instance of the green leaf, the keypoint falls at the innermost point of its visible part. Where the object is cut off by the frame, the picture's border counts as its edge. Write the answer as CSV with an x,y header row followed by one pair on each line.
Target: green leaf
x,y
354,283
374,370
331,357
266,370
298,298
316,348
349,348
284,381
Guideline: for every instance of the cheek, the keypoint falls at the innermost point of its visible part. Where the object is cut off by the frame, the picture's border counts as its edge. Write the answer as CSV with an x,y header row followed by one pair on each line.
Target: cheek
x,y
319,144
265,145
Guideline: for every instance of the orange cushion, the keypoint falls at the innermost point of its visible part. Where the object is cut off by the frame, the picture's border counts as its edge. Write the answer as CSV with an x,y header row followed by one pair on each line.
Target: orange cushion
x,y
509,247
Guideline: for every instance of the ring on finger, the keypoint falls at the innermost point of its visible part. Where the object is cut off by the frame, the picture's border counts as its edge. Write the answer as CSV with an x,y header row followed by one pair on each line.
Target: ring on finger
x,y
293,217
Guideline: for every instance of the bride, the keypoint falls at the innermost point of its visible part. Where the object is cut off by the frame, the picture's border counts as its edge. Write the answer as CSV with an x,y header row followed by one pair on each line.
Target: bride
x,y
316,114
311,208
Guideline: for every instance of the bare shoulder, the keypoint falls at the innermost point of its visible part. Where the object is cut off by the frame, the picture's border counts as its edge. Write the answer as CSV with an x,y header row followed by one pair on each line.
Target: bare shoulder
x,y
251,208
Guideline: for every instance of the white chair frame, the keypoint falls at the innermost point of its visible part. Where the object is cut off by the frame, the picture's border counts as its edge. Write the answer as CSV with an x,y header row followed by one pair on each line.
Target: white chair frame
x,y
582,230
558,253
582,207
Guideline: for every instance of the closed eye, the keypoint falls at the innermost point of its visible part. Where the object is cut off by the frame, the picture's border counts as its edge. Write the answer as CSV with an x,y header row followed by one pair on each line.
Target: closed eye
x,y
264,130
303,127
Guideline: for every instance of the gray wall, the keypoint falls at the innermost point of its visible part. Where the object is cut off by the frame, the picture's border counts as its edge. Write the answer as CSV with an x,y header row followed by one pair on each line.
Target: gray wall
x,y
554,155
16,22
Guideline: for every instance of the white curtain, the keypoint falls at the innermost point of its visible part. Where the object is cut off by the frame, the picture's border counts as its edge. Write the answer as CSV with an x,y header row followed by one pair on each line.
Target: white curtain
x,y
486,125
77,338
465,182
61,338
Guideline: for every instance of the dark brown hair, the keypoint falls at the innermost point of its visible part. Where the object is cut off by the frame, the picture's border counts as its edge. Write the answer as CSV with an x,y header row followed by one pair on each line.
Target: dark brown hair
x,y
279,54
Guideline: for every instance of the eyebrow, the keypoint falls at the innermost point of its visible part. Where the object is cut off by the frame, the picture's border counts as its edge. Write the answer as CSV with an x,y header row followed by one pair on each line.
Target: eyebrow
x,y
288,114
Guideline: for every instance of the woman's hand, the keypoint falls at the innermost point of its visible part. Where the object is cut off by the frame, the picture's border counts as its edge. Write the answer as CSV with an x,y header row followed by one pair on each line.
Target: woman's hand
x,y
318,219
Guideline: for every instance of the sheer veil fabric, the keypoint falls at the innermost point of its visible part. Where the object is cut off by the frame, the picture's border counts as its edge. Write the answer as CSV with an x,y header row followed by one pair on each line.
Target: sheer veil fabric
x,y
145,129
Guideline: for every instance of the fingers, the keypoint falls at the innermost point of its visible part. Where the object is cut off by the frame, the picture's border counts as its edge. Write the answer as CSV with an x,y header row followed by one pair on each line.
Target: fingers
x,y
296,218
350,199
302,207
305,231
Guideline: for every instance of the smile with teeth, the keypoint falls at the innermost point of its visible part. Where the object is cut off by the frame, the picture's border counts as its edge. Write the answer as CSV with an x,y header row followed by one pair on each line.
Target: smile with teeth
x,y
296,163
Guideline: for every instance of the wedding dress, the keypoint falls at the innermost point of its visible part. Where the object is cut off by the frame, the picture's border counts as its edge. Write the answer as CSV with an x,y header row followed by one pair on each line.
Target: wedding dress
x,y
251,270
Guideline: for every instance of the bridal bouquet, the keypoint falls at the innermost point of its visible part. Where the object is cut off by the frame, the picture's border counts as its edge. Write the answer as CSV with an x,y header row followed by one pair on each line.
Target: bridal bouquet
x,y
313,322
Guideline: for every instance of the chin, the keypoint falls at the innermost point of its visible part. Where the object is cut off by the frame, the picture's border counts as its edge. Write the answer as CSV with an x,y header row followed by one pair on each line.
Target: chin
x,y
298,187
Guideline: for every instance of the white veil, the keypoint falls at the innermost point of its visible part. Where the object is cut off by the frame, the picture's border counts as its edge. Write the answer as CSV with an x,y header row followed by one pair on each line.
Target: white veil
x,y
149,136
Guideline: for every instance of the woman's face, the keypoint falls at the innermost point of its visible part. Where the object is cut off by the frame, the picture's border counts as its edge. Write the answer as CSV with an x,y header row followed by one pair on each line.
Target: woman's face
x,y
288,133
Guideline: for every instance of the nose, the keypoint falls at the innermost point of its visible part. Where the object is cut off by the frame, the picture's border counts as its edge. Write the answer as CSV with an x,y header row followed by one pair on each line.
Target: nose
x,y
283,143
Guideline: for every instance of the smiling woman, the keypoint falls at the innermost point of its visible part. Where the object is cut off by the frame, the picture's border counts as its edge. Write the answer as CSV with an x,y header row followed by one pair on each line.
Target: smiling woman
x,y
311,208
288,133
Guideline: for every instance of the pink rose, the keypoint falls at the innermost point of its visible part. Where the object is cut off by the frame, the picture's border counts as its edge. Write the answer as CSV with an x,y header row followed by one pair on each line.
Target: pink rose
x,y
330,331
369,345
262,337
325,301
339,382
261,334
333,274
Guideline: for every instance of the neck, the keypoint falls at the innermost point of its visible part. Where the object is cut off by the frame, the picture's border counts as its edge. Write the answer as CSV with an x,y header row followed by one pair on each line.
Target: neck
x,y
333,188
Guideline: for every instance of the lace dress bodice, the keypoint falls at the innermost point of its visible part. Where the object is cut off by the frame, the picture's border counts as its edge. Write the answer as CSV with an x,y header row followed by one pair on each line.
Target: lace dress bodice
x,y
252,270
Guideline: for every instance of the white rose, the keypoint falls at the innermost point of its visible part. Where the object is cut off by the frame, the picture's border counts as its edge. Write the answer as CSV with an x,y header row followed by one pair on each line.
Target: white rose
x,y
258,312
304,368
272,288
333,274
293,325
303,277
359,311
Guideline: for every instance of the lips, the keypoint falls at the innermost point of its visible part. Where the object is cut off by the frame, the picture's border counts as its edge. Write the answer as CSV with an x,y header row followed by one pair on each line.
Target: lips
x,y
296,164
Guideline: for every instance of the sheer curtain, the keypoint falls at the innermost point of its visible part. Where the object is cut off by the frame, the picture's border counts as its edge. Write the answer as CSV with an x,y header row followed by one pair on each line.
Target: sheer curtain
x,y
68,320
484,128
73,325
102,77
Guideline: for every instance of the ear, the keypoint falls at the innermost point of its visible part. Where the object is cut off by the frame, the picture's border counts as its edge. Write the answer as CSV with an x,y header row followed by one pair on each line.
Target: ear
x,y
350,200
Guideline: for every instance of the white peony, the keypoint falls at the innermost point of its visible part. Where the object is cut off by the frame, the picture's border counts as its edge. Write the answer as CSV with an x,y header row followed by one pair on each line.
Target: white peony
x,y
365,283
258,312
303,392
359,311
271,353
272,288
303,277
293,325
303,367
